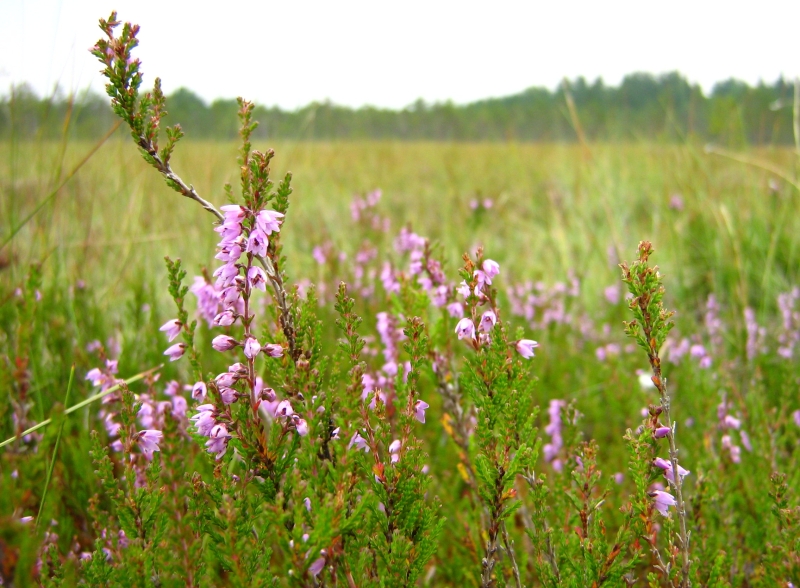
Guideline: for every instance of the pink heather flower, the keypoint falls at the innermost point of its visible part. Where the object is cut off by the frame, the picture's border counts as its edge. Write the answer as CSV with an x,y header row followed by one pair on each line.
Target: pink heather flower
x,y
199,391
230,253
229,231
490,269
230,296
419,410
735,450
612,294
172,388
619,477
238,368
171,328
226,274
662,501
226,379
525,347
359,442
149,440
112,428
273,349
488,320
394,450
676,202
465,328
463,289
145,414
228,395
317,566
252,347
284,409
223,343
224,319
218,440
257,277
732,422
26,520
661,432
257,243
205,419
97,377
267,393
746,440
318,253
455,310
179,406
388,279
233,212
176,351
208,298
667,467
795,416
302,428
269,221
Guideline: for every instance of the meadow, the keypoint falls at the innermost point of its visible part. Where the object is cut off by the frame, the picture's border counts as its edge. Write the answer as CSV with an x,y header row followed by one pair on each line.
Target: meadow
x,y
415,450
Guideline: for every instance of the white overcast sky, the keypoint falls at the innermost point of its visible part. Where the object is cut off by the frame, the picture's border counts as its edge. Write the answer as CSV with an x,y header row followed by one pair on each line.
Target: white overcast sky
x,y
389,53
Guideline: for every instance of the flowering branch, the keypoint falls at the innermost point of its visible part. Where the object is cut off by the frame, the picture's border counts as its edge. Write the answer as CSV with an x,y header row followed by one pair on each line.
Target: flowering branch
x,y
650,328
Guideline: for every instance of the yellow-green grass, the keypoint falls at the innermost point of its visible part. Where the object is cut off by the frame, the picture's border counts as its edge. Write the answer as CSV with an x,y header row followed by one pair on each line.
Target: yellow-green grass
x,y
557,209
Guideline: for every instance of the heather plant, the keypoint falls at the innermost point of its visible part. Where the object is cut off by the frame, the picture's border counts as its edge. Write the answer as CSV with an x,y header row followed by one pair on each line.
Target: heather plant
x,y
387,419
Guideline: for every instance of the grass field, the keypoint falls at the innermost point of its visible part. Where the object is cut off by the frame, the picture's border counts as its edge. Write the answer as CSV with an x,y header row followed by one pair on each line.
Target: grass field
x,y
559,214
556,209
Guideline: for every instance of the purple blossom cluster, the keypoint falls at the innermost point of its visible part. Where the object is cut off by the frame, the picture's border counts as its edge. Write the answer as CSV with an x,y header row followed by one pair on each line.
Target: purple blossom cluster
x,y
542,306
789,335
553,449
727,424
363,210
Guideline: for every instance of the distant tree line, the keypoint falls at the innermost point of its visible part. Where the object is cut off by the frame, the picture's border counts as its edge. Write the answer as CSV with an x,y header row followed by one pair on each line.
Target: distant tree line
x,y
642,107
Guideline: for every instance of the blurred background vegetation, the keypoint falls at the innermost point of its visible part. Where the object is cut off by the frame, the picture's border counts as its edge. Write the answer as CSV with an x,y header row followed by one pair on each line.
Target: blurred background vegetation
x,y
642,107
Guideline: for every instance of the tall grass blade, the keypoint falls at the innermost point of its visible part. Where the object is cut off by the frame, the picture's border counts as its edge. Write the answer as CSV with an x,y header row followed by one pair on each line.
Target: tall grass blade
x,y
67,178
55,449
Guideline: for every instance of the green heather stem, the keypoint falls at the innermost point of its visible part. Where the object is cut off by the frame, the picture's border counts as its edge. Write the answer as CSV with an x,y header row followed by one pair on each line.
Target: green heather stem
x,y
678,482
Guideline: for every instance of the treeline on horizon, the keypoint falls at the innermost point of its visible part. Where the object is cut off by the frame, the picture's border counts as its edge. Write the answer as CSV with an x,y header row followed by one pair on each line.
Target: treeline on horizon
x,y
643,107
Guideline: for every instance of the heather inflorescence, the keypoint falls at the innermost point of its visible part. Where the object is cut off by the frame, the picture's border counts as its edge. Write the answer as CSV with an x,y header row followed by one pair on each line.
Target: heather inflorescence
x,y
398,420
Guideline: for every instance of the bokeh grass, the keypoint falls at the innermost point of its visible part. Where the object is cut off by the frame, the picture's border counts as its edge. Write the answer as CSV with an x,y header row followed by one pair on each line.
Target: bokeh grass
x,y
555,209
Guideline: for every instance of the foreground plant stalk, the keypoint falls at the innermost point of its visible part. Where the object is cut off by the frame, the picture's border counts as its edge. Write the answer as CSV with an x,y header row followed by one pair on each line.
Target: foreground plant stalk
x,y
650,328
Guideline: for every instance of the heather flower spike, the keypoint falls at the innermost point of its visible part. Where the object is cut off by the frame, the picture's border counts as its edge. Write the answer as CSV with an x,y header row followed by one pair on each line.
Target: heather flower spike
x,y
651,324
